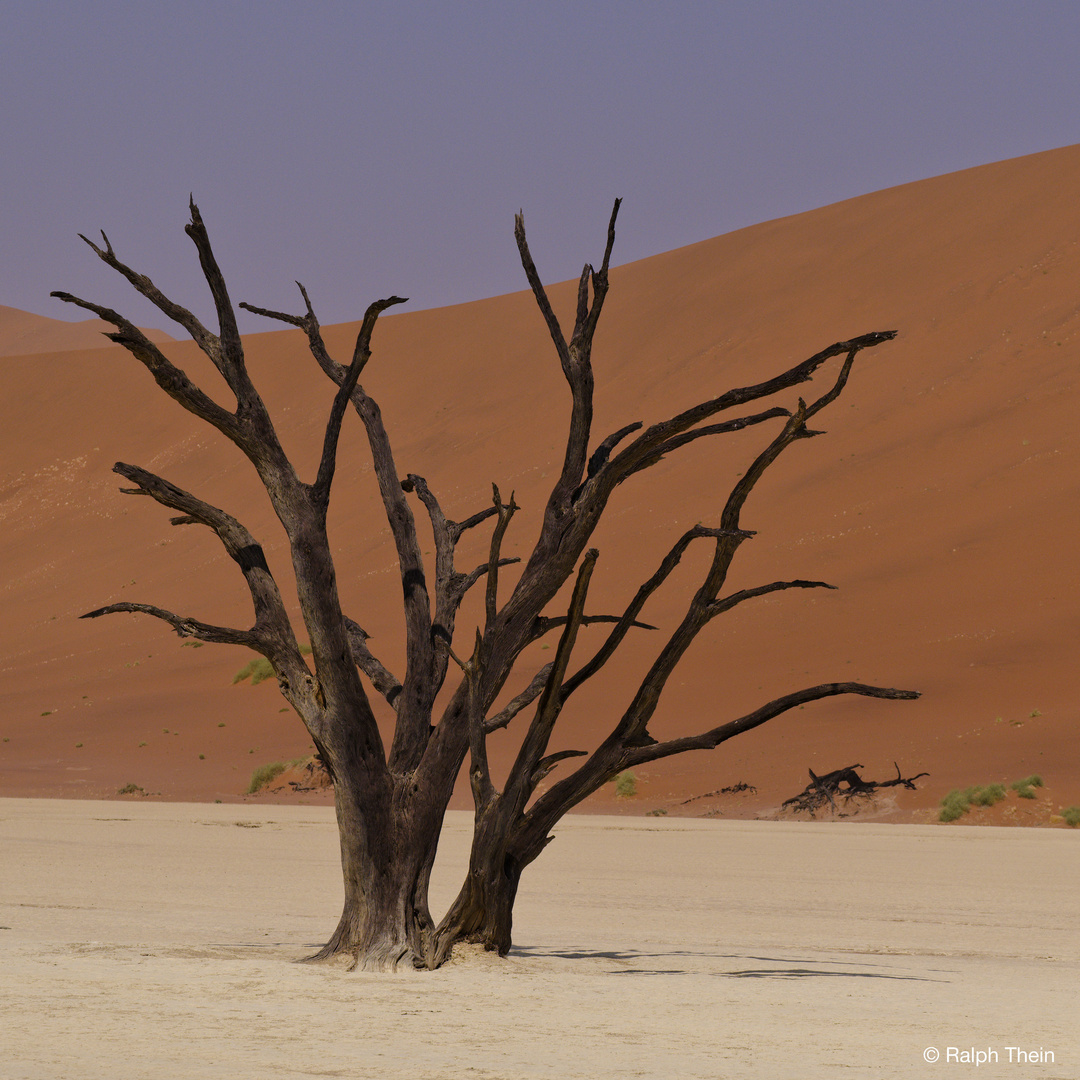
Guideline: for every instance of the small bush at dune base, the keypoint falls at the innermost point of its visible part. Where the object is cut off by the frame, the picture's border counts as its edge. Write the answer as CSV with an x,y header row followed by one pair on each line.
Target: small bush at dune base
x,y
1026,788
960,800
987,796
625,785
954,805
266,774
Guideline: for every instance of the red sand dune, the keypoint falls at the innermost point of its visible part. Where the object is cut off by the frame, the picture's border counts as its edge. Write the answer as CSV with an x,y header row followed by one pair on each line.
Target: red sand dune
x,y
942,502
22,333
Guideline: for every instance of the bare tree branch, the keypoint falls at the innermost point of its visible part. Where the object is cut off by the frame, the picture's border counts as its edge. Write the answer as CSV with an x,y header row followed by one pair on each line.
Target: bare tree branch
x,y
708,740
250,428
676,441
390,807
170,378
632,729
821,789
417,693
484,793
545,765
185,627
450,585
522,701
309,323
612,758
541,296
228,343
645,444
718,607
601,454
320,491
521,783
505,512
630,738
544,624
272,634
599,284
209,343
457,528
381,678
574,357
629,617
467,581
241,546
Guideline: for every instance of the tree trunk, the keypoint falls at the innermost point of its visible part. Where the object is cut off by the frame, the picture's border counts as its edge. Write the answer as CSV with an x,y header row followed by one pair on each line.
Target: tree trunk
x,y
386,861
483,911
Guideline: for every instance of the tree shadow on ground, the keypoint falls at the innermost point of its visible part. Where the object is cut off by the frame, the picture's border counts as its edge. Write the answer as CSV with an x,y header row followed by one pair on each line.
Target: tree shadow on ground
x,y
785,966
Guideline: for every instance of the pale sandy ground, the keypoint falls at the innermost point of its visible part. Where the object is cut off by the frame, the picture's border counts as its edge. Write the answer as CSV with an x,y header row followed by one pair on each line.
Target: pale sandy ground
x,y
154,940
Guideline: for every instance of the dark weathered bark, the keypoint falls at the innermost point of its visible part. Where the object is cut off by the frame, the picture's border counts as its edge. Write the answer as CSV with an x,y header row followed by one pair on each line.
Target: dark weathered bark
x,y
391,800
845,784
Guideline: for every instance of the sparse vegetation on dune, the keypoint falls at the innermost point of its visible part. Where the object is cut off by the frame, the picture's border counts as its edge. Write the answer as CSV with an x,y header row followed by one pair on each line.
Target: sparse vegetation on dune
x,y
960,800
987,796
260,669
266,774
1025,788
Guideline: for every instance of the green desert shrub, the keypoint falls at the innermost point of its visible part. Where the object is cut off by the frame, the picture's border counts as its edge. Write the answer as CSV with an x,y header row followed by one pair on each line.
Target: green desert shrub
x,y
625,785
129,789
1071,816
260,669
987,796
266,774
954,805
960,800
1025,788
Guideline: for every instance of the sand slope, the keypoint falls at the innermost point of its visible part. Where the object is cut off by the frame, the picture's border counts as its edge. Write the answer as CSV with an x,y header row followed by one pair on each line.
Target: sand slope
x,y
154,941
22,333
943,503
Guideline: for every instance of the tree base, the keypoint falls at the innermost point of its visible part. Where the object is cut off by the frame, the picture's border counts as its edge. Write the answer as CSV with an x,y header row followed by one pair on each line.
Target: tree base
x,y
390,956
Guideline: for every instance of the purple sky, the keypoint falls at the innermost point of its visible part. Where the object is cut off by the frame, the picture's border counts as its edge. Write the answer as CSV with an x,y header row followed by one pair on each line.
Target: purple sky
x,y
378,148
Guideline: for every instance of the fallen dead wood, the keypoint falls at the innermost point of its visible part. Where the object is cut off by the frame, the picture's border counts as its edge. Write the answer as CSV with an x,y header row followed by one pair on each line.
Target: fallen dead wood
x,y
845,784
734,789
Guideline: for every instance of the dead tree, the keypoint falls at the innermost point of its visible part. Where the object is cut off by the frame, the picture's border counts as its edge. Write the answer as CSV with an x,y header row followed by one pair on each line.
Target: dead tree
x,y
391,800
844,784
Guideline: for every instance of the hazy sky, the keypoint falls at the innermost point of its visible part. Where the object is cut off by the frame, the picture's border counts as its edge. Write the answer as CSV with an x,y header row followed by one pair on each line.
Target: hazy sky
x,y
378,148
